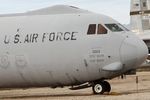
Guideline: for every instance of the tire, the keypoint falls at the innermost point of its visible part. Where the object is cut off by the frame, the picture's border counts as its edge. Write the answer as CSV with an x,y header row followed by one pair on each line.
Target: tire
x,y
107,86
98,88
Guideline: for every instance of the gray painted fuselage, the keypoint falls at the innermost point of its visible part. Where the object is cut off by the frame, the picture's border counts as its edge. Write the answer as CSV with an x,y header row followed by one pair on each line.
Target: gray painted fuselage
x,y
55,50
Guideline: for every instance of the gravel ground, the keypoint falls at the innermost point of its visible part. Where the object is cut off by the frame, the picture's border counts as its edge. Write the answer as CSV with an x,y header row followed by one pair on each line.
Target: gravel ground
x,y
125,89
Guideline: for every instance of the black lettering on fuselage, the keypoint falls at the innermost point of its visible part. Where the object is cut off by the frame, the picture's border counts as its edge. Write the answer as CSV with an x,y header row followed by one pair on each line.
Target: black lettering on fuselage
x,y
16,38
27,39
52,36
31,38
59,36
73,36
34,38
44,36
67,36
6,40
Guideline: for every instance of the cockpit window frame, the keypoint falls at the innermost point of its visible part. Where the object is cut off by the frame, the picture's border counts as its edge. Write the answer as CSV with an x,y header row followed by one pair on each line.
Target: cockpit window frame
x,y
97,29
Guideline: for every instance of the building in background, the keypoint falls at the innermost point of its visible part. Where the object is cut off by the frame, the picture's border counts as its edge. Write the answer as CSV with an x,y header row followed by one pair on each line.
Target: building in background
x,y
140,16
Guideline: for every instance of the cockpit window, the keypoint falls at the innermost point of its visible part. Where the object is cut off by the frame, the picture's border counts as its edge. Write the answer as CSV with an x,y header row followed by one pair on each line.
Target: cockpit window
x,y
92,29
101,29
114,27
123,27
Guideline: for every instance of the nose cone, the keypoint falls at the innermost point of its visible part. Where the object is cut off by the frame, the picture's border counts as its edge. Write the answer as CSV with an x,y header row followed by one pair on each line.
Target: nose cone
x,y
142,51
133,52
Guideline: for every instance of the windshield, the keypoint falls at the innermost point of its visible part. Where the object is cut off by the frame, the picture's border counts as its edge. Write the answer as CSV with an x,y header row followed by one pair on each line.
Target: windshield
x,y
126,29
114,27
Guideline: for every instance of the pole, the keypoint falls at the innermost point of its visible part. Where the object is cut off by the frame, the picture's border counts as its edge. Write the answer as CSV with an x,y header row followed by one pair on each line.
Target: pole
x,y
137,82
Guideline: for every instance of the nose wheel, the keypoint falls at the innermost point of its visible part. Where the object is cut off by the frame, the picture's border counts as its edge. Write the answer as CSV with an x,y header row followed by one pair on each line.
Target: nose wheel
x,y
101,87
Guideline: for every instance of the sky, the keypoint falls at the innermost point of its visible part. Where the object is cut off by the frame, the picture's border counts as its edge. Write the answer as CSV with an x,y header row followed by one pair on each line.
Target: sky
x,y
117,9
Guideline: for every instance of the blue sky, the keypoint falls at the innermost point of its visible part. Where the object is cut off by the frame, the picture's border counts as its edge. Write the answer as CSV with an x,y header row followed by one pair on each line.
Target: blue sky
x,y
118,9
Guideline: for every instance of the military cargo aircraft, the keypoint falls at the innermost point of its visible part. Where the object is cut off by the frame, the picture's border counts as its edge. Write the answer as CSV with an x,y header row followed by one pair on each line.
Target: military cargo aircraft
x,y
66,46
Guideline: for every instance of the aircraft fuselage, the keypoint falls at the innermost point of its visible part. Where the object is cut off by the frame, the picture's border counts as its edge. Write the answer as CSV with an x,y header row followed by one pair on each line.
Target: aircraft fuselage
x,y
55,50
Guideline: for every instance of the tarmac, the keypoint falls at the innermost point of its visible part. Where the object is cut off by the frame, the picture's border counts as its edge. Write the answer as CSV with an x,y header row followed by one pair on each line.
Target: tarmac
x,y
122,89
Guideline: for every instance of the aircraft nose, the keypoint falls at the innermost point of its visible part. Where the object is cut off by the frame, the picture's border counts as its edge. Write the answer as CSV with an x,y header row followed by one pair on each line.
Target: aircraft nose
x,y
133,52
142,52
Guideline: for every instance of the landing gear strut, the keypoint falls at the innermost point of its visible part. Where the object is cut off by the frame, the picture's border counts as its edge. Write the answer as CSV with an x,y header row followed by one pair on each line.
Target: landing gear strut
x,y
101,87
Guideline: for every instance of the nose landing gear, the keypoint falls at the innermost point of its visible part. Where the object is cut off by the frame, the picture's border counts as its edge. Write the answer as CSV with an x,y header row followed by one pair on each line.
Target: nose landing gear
x,y
101,87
